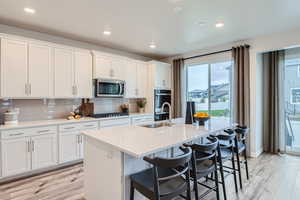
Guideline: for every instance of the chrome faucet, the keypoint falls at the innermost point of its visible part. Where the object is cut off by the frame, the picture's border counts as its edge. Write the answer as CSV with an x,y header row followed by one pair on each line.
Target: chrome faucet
x,y
162,109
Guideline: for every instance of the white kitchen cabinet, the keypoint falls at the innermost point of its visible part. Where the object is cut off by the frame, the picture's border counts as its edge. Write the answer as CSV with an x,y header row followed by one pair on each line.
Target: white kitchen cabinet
x,y
39,71
69,149
83,74
16,156
102,66
63,73
144,119
44,151
142,80
131,78
14,68
161,75
118,68
114,122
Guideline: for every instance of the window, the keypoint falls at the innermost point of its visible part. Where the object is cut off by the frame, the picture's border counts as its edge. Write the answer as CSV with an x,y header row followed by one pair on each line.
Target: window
x,y
209,86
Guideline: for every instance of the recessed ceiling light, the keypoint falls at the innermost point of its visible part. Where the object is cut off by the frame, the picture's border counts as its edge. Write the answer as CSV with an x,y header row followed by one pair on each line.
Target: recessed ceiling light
x,y
219,24
106,32
152,46
177,9
200,23
29,10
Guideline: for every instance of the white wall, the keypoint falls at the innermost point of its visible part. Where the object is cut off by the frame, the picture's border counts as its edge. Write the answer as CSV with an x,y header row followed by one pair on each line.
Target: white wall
x,y
258,45
60,40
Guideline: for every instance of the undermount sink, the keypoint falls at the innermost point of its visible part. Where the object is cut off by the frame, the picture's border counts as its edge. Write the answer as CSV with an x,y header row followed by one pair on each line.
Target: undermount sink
x,y
158,125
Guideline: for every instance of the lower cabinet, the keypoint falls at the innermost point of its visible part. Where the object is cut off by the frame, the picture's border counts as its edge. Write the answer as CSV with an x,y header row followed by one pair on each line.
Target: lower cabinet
x,y
69,146
44,151
16,156
23,154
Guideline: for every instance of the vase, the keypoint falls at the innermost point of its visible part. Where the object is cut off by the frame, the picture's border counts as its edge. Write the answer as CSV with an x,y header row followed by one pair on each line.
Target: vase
x,y
141,110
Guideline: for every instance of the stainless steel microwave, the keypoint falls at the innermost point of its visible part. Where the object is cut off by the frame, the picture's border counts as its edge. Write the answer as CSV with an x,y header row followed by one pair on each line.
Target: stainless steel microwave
x,y
109,88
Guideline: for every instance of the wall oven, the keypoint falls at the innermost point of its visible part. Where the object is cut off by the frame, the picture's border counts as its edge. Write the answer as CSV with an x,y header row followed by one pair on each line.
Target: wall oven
x,y
109,88
160,97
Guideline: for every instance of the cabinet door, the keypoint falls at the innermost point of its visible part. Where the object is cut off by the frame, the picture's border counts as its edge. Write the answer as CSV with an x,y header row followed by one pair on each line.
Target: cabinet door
x,y
69,146
118,68
83,74
44,151
16,156
63,73
131,81
39,73
102,67
142,80
167,76
162,75
13,68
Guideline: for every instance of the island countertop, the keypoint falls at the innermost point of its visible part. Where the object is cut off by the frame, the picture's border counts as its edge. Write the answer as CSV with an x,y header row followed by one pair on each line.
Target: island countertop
x,y
139,141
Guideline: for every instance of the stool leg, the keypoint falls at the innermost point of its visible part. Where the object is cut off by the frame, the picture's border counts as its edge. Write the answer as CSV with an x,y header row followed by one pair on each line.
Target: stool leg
x,y
217,183
222,174
246,164
188,189
239,169
234,173
131,191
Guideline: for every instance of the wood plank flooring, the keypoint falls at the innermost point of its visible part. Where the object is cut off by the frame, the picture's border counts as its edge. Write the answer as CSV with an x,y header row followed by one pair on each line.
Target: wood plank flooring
x,y
272,177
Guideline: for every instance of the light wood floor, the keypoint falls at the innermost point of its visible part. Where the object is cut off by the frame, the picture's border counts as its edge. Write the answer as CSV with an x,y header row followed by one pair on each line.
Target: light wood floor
x,y
272,177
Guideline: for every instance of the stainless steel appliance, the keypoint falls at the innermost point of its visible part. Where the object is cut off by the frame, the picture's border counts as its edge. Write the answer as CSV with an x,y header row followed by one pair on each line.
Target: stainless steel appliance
x,y
161,97
109,88
108,115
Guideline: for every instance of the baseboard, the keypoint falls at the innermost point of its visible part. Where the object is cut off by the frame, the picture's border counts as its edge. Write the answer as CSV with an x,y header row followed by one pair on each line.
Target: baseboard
x,y
38,172
257,153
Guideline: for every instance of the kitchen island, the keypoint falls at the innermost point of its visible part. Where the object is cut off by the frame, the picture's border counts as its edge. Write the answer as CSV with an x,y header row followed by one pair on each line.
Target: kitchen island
x,y
111,155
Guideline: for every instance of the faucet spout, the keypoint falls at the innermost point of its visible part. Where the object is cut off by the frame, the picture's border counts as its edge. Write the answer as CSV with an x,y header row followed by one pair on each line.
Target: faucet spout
x,y
169,105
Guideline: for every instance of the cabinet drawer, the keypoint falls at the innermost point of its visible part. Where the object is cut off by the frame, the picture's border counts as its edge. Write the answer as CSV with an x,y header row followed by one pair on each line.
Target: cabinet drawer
x,y
89,125
16,133
69,127
43,130
114,122
145,119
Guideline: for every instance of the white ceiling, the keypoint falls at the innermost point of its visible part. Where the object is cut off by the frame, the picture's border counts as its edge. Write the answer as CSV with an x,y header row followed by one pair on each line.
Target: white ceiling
x,y
136,23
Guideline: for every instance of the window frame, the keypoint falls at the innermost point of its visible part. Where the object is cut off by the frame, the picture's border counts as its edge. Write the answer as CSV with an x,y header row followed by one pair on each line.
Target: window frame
x,y
231,81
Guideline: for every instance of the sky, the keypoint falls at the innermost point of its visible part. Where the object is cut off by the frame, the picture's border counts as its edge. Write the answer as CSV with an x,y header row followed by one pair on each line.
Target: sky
x,y
198,75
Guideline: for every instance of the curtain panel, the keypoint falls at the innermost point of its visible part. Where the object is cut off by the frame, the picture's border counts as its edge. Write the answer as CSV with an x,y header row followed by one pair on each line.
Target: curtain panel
x,y
241,88
177,69
273,63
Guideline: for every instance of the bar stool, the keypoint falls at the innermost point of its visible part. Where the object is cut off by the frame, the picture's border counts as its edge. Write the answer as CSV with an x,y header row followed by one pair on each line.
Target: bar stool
x,y
164,180
204,163
241,147
226,153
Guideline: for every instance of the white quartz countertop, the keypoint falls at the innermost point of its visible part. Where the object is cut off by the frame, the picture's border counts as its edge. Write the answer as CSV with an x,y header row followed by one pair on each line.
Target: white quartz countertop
x,y
140,141
27,124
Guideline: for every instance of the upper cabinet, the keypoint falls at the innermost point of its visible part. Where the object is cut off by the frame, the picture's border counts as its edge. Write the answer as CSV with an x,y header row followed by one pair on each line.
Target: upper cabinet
x,y
83,73
108,66
161,75
39,71
33,69
14,68
136,77
63,73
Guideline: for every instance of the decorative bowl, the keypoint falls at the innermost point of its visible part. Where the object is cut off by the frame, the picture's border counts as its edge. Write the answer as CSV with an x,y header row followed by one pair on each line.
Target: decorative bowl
x,y
201,120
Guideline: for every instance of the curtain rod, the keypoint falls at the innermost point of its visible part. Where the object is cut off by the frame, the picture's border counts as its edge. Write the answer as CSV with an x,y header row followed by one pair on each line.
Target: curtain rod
x,y
212,53
207,54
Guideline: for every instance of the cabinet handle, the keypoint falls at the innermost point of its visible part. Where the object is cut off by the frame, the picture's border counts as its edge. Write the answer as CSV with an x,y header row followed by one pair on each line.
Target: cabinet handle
x,y
78,139
43,131
80,136
69,127
26,89
16,134
28,146
164,82
32,144
29,88
89,125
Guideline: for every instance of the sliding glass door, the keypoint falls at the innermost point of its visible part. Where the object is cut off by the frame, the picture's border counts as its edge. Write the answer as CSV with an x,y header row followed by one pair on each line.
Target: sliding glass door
x,y
292,100
209,86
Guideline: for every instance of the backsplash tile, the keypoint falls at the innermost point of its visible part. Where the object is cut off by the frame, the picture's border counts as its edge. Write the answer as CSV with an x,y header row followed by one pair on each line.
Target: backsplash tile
x,y
43,109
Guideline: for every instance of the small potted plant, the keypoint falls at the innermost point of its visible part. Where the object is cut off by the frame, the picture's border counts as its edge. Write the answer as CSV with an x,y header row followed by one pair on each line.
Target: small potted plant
x,y
141,104
125,108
